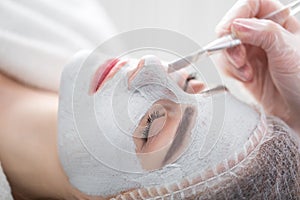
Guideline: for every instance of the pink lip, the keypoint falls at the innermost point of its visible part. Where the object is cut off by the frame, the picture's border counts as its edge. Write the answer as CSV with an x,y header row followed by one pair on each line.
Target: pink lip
x,y
104,72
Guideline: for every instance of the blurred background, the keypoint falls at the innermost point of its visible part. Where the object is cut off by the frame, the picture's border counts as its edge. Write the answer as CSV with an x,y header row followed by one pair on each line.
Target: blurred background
x,y
195,19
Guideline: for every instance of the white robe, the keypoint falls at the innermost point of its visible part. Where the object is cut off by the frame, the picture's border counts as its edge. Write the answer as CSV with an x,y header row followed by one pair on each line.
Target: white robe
x,y
37,37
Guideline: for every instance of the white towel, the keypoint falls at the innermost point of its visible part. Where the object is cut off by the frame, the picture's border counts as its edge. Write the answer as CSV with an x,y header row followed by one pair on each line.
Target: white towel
x,y
37,37
5,193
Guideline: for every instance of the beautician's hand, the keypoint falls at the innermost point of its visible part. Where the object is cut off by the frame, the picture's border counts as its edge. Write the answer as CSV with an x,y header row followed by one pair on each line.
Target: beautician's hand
x,y
268,62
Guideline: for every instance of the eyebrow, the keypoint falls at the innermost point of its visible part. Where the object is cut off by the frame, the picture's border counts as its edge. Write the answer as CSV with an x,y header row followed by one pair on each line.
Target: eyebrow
x,y
180,132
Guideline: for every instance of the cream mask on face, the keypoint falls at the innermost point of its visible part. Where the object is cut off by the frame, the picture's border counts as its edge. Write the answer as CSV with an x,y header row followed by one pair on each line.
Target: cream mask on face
x,y
96,144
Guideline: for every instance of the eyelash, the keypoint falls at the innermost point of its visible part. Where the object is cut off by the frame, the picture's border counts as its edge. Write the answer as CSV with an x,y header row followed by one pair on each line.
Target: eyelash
x,y
153,116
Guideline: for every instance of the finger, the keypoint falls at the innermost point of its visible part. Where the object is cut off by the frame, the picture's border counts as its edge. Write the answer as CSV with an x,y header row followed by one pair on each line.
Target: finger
x,y
292,24
250,9
244,73
261,33
237,56
222,62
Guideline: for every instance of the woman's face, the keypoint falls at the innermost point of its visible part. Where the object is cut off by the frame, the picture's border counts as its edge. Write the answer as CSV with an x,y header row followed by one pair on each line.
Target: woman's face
x,y
139,127
163,129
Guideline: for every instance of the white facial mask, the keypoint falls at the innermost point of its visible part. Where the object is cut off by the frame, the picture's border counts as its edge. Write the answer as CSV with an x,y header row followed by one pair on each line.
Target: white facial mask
x,y
97,150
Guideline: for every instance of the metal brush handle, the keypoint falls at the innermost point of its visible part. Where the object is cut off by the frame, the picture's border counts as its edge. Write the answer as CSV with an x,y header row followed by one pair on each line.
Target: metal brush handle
x,y
226,41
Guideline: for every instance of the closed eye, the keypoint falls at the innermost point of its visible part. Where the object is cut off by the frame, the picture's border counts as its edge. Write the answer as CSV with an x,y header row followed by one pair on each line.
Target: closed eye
x,y
151,118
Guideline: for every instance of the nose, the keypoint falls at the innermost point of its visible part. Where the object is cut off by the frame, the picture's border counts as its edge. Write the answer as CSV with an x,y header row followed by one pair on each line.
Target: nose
x,y
151,60
146,61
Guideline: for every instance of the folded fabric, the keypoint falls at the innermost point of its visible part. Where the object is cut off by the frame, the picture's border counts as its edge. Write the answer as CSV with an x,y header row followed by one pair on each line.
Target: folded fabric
x,y
38,37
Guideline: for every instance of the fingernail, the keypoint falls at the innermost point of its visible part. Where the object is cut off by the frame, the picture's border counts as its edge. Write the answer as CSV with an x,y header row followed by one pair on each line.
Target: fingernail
x,y
246,75
239,26
237,56
241,76
246,72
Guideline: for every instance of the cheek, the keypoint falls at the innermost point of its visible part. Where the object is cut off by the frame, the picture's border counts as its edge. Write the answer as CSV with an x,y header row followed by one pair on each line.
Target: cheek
x,y
153,160
155,150
165,136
